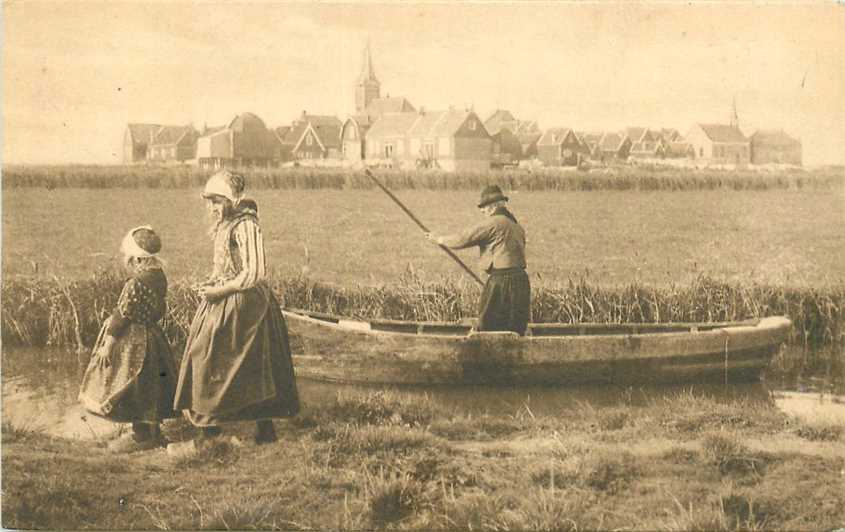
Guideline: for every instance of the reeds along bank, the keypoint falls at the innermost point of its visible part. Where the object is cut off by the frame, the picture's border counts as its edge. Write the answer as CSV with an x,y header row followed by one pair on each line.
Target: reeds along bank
x,y
57,312
611,178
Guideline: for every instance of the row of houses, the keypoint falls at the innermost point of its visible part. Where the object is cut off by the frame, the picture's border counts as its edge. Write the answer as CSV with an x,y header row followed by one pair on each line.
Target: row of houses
x,y
708,143
451,140
393,132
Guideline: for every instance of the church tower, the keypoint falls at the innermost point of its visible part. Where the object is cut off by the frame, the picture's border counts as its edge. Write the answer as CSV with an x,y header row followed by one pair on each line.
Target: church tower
x,y
734,115
368,87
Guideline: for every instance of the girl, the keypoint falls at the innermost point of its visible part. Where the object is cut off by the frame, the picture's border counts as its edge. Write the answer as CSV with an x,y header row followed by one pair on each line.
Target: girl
x,y
237,363
131,376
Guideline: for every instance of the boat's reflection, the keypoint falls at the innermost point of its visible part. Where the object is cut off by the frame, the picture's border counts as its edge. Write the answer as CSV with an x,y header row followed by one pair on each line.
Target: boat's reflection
x,y
540,400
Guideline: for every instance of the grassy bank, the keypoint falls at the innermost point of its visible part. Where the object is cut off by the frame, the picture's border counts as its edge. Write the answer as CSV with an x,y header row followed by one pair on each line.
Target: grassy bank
x,y
645,177
378,461
68,312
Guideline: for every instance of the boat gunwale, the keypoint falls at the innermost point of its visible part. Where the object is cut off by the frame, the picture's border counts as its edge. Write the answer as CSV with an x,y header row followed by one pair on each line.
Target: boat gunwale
x,y
711,328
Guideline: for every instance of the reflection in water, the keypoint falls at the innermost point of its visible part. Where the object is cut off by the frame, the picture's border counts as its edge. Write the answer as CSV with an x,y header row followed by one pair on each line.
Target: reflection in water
x,y
40,388
812,407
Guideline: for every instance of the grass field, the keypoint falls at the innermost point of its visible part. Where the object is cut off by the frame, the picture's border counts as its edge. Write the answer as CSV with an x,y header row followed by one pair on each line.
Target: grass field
x,y
359,237
363,461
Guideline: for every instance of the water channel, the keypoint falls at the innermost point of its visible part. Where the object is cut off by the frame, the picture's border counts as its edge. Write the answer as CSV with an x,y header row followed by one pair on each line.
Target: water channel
x,y
40,386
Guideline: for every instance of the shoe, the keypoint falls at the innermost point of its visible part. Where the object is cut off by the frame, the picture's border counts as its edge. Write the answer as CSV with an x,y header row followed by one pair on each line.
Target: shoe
x,y
265,432
128,444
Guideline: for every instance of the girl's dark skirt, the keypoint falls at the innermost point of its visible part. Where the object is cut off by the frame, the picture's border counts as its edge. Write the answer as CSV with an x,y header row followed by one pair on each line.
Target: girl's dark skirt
x,y
237,363
139,382
505,303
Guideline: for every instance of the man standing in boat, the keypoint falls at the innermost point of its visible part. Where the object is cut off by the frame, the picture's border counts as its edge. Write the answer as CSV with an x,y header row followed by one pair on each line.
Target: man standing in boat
x,y
506,299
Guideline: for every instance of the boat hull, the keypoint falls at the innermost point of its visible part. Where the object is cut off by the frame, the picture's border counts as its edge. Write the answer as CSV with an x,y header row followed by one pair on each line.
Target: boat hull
x,y
351,351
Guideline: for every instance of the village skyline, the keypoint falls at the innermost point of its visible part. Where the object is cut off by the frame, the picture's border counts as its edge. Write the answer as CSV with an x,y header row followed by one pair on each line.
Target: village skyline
x,y
82,74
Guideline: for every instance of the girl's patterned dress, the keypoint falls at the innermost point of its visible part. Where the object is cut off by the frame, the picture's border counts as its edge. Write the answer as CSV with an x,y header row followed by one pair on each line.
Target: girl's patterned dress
x,y
139,383
237,362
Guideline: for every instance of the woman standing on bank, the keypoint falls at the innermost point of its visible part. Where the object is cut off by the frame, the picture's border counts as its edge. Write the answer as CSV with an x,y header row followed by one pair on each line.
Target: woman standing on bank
x,y
237,363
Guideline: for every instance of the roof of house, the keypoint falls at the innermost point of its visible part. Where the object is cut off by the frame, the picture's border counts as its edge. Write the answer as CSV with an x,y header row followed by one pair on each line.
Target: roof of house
x,y
143,132
529,138
380,106
319,120
670,134
291,134
611,141
361,122
329,133
245,122
173,134
555,135
723,133
326,127
591,139
440,123
529,126
423,124
392,125
774,138
500,118
282,132
635,133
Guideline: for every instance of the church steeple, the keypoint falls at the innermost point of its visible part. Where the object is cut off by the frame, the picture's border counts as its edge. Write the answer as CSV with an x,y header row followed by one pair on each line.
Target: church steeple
x,y
367,72
368,87
734,115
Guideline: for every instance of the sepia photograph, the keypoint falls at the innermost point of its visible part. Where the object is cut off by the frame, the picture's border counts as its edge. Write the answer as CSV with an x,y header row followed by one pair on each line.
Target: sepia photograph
x,y
422,265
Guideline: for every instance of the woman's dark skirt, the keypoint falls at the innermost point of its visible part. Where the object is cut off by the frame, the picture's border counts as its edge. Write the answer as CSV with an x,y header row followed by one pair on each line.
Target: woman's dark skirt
x,y
505,303
237,363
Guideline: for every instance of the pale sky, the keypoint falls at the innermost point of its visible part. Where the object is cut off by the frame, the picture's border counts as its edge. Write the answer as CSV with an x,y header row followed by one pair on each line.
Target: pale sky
x,y
74,73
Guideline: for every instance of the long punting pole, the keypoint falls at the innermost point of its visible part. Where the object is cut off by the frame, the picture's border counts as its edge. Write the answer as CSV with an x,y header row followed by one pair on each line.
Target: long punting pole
x,y
423,227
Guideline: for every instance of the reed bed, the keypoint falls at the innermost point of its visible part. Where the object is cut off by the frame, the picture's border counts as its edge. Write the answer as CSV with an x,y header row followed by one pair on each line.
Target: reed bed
x,y
59,312
622,178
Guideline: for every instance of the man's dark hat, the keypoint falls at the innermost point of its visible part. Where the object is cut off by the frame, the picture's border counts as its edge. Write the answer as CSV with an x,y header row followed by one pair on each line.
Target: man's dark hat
x,y
491,194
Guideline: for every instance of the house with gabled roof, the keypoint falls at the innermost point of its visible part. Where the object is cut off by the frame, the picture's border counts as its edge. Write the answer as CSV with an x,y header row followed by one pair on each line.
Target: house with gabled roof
x,y
529,134
560,146
136,141
523,134
173,144
353,133
613,146
452,140
311,137
507,150
243,142
719,144
387,138
501,118
646,143
775,147
670,134
590,142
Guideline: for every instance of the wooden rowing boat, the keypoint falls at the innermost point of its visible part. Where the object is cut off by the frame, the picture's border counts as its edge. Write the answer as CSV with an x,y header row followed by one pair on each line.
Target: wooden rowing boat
x,y
338,349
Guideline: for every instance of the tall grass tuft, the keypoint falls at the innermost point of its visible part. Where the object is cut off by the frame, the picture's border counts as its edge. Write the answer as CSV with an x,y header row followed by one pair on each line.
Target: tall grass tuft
x,y
623,178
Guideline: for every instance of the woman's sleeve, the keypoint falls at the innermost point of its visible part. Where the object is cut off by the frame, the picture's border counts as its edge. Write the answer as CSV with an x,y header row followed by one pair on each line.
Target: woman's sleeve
x,y
474,236
250,243
125,309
